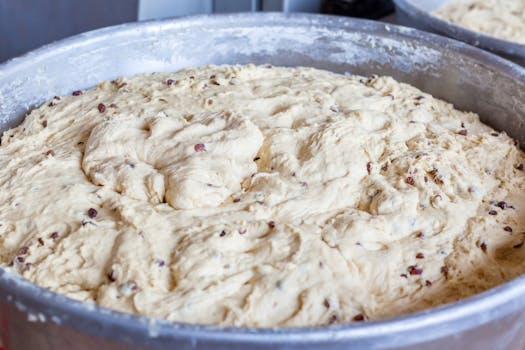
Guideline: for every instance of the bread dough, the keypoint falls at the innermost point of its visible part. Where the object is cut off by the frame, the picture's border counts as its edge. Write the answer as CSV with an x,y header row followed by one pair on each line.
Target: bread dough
x,y
504,19
260,196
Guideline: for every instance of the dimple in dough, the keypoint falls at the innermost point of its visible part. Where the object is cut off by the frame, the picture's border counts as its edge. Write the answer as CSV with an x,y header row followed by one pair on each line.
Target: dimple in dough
x,y
504,19
260,196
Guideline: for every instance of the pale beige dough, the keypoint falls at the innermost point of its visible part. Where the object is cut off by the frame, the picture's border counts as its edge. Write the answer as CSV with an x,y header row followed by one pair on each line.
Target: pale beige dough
x,y
504,19
260,196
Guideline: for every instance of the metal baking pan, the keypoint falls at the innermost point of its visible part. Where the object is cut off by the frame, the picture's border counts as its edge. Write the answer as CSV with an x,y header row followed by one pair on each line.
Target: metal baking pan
x,y
419,14
34,318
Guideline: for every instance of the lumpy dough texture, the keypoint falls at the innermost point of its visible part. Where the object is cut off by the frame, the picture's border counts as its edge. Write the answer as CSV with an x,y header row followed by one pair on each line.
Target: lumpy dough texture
x,y
260,196
504,19
160,157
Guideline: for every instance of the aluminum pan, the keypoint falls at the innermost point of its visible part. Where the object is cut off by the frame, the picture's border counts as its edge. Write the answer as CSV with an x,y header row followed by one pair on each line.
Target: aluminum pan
x,y
418,13
443,67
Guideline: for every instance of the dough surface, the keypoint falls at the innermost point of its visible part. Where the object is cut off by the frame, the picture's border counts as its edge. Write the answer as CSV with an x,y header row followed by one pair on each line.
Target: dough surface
x,y
260,196
504,19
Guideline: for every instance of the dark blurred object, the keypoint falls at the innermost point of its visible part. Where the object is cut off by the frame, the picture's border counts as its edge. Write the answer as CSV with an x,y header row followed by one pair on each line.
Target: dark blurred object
x,y
27,24
372,9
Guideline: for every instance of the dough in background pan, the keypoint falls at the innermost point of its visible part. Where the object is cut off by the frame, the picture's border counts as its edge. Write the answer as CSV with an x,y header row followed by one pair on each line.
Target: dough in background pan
x,y
504,19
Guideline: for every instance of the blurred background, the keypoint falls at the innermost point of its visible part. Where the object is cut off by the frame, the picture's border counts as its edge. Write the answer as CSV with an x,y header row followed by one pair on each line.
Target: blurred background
x,y
28,24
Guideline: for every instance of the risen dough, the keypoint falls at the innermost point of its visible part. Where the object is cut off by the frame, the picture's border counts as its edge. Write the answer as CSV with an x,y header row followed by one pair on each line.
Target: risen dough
x,y
260,196
504,19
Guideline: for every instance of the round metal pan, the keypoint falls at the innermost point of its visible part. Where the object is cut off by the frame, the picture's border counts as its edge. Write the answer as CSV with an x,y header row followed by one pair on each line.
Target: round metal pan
x,y
34,318
419,14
